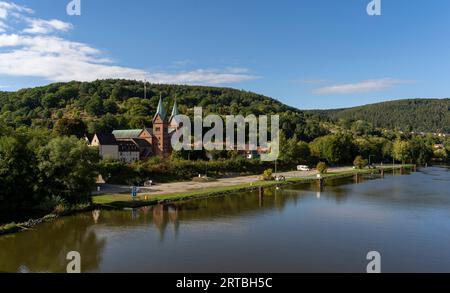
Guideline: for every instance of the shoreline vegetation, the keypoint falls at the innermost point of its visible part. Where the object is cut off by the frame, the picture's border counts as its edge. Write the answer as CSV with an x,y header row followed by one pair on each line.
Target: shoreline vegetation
x,y
121,201
47,166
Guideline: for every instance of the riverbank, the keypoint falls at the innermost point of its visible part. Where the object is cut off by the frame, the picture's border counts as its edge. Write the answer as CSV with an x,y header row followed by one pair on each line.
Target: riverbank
x,y
57,213
120,201
115,201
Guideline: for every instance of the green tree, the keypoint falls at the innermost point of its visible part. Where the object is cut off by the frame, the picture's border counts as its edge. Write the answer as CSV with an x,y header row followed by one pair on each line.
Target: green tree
x,y
421,150
293,151
401,150
322,167
17,173
359,162
95,106
335,148
441,154
67,168
361,127
68,127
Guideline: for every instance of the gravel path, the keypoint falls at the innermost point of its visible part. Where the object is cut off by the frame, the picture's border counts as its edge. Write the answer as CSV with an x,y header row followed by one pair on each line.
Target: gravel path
x,y
175,187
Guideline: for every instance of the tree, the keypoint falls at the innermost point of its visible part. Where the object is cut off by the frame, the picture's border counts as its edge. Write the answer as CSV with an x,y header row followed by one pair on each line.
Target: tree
x,y
322,167
361,127
106,124
447,144
68,127
17,173
95,106
110,106
421,150
293,151
441,154
67,168
303,152
335,148
268,175
359,162
400,150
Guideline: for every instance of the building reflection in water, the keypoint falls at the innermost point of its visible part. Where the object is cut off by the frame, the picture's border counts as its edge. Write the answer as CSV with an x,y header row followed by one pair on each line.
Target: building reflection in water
x,y
163,215
96,216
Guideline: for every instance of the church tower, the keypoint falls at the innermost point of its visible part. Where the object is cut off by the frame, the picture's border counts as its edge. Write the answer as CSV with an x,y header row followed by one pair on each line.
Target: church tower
x,y
173,123
161,139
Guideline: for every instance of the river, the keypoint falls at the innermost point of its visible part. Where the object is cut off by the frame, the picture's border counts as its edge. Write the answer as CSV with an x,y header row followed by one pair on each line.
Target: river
x,y
298,228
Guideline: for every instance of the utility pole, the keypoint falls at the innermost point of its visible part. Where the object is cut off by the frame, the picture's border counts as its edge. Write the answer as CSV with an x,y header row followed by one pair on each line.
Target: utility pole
x,y
145,89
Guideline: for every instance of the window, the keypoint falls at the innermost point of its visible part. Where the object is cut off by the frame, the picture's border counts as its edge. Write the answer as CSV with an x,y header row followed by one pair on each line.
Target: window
x,y
158,129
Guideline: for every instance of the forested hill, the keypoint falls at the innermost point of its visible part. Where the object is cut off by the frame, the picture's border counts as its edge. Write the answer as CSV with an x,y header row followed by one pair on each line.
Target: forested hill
x,y
427,115
105,105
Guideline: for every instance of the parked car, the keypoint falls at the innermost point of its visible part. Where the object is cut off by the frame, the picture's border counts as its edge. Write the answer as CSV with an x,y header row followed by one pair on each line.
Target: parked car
x,y
303,168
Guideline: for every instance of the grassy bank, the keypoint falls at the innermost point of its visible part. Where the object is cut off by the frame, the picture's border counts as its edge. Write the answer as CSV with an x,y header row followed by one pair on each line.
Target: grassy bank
x,y
59,211
119,201
124,200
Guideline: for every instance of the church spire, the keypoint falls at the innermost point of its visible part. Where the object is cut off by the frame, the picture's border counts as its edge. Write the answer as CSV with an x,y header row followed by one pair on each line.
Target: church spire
x,y
161,111
175,111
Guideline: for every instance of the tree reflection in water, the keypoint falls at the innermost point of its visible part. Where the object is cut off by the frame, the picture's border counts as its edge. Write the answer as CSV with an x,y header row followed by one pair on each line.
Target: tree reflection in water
x,y
45,249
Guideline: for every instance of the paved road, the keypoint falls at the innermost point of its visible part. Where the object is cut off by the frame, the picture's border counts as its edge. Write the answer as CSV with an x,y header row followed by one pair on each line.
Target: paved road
x,y
176,187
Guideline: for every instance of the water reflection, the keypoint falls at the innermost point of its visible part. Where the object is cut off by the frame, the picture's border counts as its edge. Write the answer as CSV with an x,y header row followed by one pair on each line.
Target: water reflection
x,y
45,249
305,227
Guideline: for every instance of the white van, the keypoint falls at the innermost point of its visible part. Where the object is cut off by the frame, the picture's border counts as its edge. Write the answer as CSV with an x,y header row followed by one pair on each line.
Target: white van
x,y
303,168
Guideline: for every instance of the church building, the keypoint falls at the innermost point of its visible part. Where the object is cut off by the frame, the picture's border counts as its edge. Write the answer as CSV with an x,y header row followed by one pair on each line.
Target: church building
x,y
139,144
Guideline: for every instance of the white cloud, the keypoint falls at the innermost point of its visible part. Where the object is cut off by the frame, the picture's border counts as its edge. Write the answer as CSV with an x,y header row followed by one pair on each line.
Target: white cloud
x,y
37,51
40,26
7,8
11,9
366,86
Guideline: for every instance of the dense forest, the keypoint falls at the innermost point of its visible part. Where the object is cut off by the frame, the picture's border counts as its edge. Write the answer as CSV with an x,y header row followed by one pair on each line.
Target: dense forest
x,y
105,105
419,115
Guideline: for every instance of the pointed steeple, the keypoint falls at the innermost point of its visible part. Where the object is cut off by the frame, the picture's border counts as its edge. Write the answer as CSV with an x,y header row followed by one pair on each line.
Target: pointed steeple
x,y
175,111
161,111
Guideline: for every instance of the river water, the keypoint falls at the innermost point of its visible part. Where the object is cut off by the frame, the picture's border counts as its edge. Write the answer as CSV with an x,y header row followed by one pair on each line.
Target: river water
x,y
297,228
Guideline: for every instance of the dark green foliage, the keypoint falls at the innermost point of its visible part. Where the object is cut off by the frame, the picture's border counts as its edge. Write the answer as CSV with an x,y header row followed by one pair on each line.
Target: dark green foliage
x,y
68,127
419,115
107,104
335,149
36,167
175,170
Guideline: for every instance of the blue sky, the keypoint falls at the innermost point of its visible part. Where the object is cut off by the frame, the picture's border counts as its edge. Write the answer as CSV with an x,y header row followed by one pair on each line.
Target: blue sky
x,y
307,54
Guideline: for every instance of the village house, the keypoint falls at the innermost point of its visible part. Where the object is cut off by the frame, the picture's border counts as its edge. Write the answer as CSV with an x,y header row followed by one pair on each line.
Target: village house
x,y
137,144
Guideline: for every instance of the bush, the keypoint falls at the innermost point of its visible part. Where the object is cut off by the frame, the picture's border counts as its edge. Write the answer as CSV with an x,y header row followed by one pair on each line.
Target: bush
x,y
267,175
359,162
161,171
322,168
60,209
50,203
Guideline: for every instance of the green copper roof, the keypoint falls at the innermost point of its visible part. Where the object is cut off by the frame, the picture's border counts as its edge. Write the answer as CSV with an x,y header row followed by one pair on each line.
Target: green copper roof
x,y
161,111
123,134
175,110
